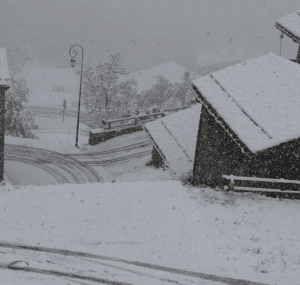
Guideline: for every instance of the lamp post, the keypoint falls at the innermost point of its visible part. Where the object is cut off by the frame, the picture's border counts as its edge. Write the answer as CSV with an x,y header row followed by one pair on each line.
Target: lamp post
x,y
73,53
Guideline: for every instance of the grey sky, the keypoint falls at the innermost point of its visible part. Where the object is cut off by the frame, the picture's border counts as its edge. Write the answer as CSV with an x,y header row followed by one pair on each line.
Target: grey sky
x,y
145,32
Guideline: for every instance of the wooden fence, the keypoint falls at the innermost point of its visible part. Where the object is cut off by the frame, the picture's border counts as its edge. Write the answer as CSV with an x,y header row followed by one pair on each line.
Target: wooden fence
x,y
270,181
136,120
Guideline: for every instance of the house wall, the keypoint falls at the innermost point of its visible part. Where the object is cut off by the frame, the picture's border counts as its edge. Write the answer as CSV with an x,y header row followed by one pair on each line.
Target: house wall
x,y
96,138
216,153
156,159
282,161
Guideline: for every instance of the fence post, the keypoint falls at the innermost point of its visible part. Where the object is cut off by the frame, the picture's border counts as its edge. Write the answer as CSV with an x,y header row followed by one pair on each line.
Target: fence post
x,y
231,184
103,123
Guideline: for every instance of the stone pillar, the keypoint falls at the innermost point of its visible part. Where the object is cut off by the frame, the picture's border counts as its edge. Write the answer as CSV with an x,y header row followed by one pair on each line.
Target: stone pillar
x,y
4,86
298,56
2,129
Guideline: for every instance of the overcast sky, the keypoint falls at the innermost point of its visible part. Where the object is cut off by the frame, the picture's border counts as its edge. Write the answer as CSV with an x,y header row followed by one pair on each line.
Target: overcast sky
x,y
145,32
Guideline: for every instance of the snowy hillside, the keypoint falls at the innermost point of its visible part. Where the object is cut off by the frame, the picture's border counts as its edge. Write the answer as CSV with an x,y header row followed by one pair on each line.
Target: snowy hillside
x,y
42,81
50,86
173,72
225,54
207,69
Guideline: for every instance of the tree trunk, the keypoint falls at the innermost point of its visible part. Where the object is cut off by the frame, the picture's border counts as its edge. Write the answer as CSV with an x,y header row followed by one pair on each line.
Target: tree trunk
x,y
298,55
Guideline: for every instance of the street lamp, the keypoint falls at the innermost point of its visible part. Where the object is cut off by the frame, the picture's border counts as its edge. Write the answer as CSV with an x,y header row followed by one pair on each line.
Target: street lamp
x,y
73,63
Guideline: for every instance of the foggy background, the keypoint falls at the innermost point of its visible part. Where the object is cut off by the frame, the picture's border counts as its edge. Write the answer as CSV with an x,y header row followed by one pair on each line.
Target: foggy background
x,y
145,32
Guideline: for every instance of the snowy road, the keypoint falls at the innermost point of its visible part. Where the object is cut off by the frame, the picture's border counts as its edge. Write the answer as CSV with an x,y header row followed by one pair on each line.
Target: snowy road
x,y
116,155
73,266
61,168
51,111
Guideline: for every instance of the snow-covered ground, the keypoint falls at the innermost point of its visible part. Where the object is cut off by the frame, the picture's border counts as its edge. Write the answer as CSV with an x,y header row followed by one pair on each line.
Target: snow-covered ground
x,y
164,223
145,216
54,135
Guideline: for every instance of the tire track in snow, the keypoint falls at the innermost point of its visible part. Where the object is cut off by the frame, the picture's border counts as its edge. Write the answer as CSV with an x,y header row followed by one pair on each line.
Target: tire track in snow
x,y
67,168
105,157
114,150
117,160
64,274
226,280
52,170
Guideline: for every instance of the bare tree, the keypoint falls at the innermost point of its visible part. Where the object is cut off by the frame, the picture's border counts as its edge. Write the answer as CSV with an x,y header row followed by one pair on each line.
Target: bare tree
x,y
105,88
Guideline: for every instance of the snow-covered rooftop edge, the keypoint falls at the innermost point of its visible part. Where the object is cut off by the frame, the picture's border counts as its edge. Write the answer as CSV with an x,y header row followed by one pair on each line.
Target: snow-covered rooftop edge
x,y
290,25
258,100
175,138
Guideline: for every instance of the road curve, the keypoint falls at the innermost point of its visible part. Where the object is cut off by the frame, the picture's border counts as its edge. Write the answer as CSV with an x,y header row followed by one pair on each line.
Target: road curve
x,y
114,156
63,168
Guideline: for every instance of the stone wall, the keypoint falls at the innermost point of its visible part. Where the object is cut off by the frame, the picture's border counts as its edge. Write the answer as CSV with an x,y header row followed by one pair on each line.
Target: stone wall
x,y
216,153
102,136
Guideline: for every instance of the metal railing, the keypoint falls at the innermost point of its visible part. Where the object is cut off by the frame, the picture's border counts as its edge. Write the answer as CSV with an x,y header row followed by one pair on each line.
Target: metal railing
x,y
233,178
136,120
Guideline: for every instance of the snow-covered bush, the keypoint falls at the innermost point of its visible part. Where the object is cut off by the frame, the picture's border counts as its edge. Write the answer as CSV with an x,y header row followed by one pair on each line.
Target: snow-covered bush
x,y
187,178
18,120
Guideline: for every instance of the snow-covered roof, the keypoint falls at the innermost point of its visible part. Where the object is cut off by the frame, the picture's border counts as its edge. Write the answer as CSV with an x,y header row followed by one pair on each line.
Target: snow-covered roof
x,y
176,136
4,74
258,99
290,25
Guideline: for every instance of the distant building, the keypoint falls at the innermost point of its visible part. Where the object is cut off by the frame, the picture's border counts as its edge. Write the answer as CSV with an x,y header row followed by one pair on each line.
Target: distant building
x,y
250,121
290,26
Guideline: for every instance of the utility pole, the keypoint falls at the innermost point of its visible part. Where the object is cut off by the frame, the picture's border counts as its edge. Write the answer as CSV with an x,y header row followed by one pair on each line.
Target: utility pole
x,y
73,53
